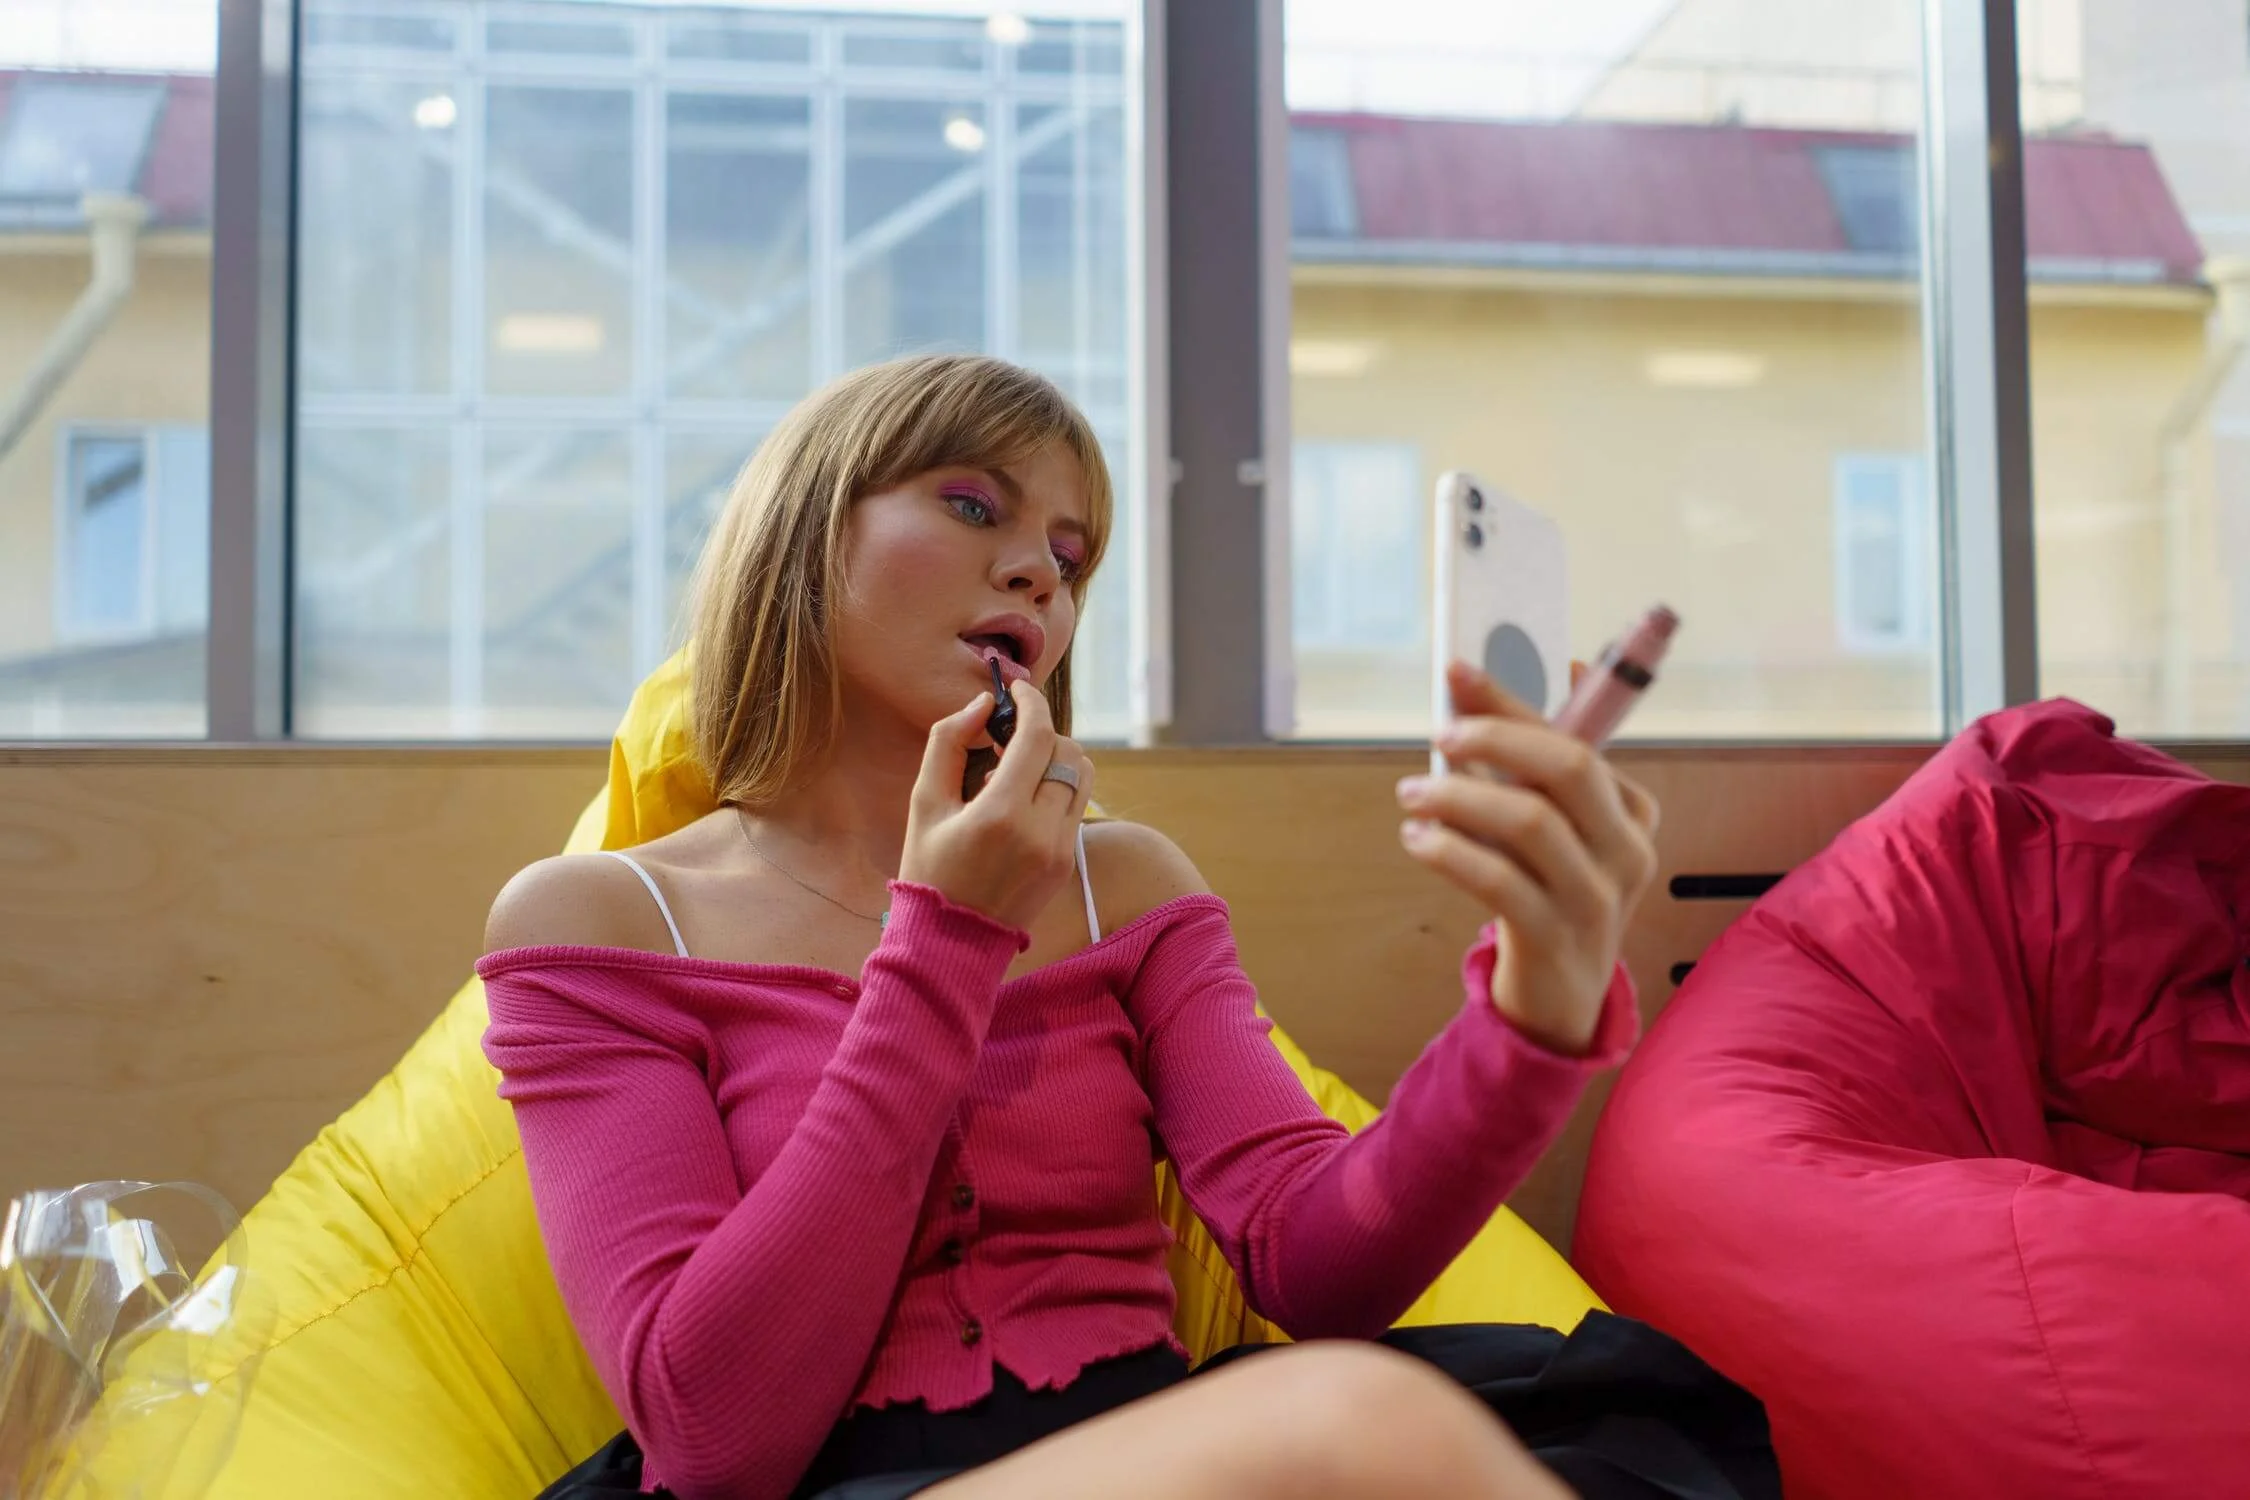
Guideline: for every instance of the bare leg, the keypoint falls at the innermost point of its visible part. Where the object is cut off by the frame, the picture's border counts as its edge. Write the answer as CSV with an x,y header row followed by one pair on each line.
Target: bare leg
x,y
1353,1421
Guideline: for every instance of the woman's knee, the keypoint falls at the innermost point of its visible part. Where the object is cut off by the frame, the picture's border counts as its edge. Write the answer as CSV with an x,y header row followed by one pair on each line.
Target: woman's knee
x,y
1362,1419
1328,1382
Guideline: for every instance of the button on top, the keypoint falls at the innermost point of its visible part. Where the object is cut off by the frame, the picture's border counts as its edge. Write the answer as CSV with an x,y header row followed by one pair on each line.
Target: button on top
x,y
971,1331
953,1252
964,1196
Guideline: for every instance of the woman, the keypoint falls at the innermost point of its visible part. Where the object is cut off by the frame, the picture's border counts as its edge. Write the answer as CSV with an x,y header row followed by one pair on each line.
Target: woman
x,y
896,1233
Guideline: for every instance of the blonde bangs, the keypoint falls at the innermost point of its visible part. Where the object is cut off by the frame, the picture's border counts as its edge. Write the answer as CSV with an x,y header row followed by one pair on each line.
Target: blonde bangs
x,y
764,701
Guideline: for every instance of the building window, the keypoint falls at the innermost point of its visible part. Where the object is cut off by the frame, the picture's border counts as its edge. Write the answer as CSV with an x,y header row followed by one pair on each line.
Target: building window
x,y
1876,194
65,136
134,532
1884,540
1321,203
1357,528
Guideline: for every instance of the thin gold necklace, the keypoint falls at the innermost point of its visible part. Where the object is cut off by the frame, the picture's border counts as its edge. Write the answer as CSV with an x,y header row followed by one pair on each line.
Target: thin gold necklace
x,y
742,821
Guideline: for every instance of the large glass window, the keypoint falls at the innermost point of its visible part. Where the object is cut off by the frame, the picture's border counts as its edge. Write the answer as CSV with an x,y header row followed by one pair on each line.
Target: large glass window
x,y
105,315
2137,207
562,265
1652,267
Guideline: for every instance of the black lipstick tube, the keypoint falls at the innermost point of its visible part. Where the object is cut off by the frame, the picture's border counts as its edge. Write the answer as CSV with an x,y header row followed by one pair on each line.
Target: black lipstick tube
x,y
1002,725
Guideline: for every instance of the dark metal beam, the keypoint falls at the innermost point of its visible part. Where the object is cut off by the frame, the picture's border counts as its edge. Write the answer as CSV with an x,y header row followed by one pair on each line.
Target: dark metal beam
x,y
1216,371
252,276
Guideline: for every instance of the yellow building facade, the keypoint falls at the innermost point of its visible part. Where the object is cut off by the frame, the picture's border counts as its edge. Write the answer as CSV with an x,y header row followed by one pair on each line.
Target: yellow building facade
x,y
1687,434
147,373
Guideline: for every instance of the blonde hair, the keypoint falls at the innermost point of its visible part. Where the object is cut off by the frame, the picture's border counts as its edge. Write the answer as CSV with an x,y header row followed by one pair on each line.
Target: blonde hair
x,y
764,701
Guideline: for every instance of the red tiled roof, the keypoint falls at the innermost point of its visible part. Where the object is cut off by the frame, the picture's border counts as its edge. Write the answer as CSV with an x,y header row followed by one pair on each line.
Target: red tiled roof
x,y
176,180
1713,197
2096,199
1645,186
1694,197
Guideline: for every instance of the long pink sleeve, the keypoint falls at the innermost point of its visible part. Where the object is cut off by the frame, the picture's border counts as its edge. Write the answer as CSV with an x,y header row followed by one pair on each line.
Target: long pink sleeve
x,y
731,1321
1335,1236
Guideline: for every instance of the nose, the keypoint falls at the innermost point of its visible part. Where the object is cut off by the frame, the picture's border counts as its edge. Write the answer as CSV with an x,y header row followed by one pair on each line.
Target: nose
x,y
1032,573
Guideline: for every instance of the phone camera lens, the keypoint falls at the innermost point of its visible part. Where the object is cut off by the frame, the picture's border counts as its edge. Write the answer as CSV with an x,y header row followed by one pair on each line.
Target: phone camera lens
x,y
1476,499
1476,536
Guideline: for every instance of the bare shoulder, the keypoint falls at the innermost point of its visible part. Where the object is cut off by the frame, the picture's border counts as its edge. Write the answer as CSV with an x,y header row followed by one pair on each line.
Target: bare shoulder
x,y
1135,869
575,900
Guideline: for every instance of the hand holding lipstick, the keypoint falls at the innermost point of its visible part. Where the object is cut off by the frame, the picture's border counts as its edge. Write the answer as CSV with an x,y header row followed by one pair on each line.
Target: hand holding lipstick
x,y
1006,849
1549,839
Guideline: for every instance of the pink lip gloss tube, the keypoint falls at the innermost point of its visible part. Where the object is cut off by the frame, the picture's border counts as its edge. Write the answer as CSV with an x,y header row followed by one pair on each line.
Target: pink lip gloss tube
x,y
1625,669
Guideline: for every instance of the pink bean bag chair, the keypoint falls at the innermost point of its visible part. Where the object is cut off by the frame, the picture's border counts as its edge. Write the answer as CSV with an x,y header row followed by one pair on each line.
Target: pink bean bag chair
x,y
1944,1149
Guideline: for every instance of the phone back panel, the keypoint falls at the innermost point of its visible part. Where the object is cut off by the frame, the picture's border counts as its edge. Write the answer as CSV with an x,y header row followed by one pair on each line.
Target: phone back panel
x,y
1502,595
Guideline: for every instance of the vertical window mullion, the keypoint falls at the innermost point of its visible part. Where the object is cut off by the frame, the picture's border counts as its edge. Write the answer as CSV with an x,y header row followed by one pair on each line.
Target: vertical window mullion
x,y
253,282
1220,538
1977,352
1002,250
826,185
651,283
465,575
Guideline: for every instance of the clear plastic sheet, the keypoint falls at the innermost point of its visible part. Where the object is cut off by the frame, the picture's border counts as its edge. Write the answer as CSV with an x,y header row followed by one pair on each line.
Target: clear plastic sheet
x,y
128,1341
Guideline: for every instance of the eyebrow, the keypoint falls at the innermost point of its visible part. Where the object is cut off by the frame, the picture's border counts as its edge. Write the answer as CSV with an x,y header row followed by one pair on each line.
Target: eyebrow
x,y
1008,486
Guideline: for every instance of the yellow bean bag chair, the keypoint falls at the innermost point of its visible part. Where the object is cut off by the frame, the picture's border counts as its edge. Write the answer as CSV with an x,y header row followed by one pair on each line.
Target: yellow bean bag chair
x,y
414,1340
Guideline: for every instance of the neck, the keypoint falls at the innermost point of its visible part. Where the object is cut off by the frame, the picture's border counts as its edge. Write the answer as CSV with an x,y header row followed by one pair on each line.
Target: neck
x,y
849,815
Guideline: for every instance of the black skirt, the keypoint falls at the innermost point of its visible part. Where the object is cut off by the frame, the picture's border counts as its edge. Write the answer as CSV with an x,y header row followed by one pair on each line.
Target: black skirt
x,y
1615,1409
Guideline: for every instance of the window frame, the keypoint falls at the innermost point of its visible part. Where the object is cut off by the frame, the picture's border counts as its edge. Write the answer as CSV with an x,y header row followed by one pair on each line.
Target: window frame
x,y
255,405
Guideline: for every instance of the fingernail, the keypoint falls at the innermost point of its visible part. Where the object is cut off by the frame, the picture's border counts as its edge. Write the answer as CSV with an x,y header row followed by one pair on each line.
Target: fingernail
x,y
1449,738
1412,789
1416,833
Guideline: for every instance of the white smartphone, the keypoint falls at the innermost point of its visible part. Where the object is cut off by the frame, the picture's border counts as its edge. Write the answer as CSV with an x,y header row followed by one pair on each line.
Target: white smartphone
x,y
1503,596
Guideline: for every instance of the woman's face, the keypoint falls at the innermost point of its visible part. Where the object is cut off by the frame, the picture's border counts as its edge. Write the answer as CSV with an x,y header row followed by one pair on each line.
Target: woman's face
x,y
950,569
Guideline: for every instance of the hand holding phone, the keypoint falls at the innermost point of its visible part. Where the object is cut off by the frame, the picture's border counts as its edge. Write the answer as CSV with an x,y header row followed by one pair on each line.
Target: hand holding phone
x,y
1552,841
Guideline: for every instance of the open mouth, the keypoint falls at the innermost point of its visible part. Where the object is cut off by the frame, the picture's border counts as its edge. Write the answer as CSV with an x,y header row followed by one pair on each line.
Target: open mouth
x,y
987,642
1011,641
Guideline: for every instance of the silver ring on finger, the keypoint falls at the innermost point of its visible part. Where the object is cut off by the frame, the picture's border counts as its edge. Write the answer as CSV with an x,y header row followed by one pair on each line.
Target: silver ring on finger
x,y
1058,772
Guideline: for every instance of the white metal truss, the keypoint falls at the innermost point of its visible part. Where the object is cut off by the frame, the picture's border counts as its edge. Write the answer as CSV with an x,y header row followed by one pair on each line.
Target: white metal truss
x,y
646,412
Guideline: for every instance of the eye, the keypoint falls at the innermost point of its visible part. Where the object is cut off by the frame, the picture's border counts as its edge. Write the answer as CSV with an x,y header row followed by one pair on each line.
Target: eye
x,y
972,507
1067,561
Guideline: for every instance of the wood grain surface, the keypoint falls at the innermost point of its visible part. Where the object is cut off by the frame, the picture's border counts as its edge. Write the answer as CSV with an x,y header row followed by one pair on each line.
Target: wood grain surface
x,y
206,954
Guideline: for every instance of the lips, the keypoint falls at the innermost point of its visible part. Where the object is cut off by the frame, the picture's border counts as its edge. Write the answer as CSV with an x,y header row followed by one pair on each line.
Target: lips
x,y
1015,641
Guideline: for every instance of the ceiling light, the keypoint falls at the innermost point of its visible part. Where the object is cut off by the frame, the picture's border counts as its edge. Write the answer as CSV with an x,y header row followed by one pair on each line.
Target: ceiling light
x,y
436,112
1704,369
550,333
1007,28
964,134
1340,357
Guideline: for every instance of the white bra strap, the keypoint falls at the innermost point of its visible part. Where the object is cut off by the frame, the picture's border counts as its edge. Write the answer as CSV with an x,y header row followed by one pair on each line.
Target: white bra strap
x,y
1086,884
679,944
